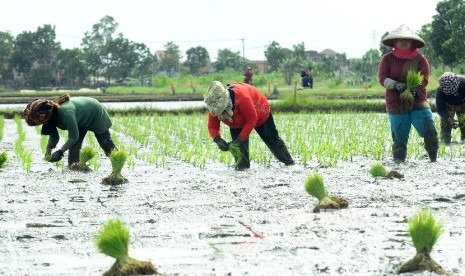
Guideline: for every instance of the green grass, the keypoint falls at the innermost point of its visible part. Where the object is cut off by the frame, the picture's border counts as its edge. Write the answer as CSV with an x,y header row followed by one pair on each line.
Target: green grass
x,y
3,159
314,185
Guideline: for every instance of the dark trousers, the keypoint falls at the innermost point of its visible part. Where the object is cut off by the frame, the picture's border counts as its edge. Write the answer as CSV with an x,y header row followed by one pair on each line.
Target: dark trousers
x,y
269,134
104,140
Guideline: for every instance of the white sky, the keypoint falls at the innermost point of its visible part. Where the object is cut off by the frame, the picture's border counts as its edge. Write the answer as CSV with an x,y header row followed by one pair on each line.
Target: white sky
x,y
346,26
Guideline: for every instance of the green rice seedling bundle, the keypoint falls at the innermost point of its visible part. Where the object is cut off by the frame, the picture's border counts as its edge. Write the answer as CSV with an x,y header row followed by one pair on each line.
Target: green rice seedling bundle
x,y
113,240
314,185
86,154
3,159
424,231
414,79
236,153
378,170
117,159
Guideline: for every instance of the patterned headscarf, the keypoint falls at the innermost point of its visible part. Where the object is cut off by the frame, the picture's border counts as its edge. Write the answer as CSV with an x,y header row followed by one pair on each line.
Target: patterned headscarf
x,y
218,101
449,83
39,111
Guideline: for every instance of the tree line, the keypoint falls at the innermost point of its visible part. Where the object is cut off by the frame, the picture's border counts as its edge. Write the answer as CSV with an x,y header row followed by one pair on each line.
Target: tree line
x,y
35,59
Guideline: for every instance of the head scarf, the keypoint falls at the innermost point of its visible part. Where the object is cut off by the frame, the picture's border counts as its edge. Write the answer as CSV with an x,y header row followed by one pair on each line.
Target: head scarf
x,y
39,111
449,83
218,101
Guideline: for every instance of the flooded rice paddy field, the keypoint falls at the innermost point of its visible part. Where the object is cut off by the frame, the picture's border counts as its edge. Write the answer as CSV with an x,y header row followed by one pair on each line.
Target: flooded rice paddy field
x,y
217,221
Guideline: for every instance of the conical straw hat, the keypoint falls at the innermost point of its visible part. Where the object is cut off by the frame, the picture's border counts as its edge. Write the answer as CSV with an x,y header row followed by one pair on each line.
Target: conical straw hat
x,y
403,32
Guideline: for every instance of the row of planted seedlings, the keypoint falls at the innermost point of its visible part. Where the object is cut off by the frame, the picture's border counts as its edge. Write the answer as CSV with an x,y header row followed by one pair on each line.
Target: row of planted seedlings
x,y
21,152
3,154
324,138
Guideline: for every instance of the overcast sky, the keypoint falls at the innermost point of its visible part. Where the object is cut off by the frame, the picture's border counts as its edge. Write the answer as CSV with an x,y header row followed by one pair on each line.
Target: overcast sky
x,y
346,26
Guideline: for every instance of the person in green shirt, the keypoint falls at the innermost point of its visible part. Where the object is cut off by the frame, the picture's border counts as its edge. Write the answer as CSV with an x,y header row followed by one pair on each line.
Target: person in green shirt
x,y
77,115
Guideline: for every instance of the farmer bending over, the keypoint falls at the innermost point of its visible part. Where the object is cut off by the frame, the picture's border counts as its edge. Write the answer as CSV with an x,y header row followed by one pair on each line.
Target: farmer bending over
x,y
243,108
450,100
77,115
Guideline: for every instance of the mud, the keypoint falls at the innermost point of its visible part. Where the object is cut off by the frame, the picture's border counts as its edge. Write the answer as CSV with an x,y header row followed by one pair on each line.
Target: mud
x,y
219,221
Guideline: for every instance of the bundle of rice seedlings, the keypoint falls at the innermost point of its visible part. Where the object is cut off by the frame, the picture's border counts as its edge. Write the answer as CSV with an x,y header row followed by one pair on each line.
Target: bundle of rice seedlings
x,y
85,155
3,158
236,153
117,159
378,170
414,79
113,240
424,231
314,186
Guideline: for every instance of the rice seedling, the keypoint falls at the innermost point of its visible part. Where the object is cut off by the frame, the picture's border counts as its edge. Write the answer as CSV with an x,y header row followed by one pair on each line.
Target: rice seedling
x,y
3,159
236,153
113,240
117,159
424,231
378,170
314,185
414,79
86,154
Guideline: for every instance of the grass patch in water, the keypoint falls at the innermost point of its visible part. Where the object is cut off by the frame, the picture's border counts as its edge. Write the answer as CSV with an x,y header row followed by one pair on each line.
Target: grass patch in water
x,y
314,185
117,159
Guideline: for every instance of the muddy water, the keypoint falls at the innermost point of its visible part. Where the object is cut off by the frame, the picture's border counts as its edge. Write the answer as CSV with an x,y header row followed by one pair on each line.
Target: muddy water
x,y
216,221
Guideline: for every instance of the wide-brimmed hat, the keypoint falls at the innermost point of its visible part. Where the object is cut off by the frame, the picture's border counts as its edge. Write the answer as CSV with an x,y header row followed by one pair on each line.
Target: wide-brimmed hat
x,y
216,98
449,83
403,32
38,112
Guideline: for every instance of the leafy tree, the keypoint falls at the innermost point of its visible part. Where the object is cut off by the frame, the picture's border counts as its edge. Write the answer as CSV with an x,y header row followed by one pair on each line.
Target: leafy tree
x,y
275,55
197,58
71,67
6,51
428,50
171,59
41,76
383,48
371,60
143,68
448,32
95,45
229,59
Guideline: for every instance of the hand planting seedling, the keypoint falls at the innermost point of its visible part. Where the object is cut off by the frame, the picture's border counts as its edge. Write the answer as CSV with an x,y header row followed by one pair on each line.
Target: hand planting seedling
x,y
424,231
3,158
86,154
314,186
378,170
113,241
236,153
117,159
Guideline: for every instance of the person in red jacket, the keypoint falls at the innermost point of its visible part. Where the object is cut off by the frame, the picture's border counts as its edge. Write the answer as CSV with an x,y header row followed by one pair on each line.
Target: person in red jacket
x,y
243,108
248,76
403,113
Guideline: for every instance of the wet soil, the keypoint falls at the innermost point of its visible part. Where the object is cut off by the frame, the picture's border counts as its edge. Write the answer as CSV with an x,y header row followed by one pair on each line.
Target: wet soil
x,y
219,221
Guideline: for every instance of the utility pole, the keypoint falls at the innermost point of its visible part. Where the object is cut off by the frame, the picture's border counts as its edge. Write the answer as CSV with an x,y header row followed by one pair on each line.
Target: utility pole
x,y
243,49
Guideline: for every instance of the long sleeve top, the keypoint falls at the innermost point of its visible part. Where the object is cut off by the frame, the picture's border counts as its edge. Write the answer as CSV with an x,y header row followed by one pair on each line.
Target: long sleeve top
x,y
396,69
442,99
250,110
79,113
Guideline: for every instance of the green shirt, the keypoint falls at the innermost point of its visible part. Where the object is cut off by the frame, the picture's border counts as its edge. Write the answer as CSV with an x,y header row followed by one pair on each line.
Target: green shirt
x,y
80,113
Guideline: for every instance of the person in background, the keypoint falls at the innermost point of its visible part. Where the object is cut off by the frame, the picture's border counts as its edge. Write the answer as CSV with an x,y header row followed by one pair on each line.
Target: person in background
x,y
248,76
450,101
392,75
78,115
310,77
305,79
243,108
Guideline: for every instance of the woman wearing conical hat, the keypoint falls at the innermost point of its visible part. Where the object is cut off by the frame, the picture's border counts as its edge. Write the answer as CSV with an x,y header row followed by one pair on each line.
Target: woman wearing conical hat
x,y
403,113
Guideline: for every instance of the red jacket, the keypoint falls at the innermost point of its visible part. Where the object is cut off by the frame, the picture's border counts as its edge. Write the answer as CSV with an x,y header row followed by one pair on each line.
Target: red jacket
x,y
251,110
393,67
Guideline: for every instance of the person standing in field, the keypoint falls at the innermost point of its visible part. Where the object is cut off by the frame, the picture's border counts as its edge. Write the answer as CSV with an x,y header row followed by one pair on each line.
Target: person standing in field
x,y
248,76
392,75
243,108
78,115
450,101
